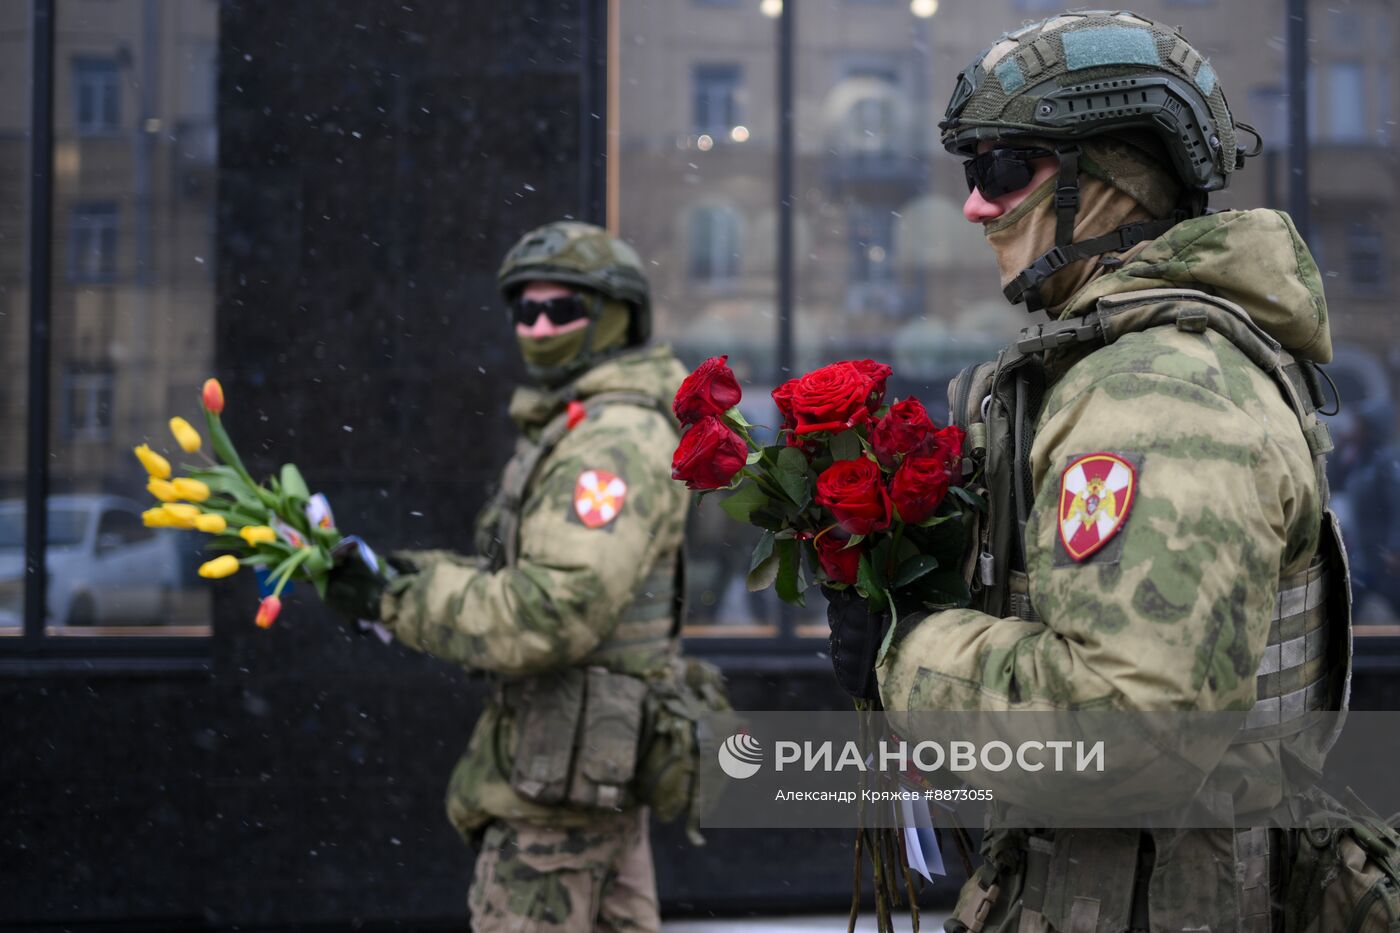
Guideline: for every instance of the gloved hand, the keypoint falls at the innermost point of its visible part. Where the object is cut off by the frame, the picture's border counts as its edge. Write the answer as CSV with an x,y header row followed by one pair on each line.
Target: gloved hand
x,y
856,636
353,589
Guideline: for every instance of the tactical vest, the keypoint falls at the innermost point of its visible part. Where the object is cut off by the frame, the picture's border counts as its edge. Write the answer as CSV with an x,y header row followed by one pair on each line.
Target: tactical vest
x,y
1306,664
646,635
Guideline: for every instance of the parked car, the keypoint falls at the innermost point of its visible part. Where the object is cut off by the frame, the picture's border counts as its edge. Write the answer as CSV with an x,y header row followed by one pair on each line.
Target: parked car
x,y
104,566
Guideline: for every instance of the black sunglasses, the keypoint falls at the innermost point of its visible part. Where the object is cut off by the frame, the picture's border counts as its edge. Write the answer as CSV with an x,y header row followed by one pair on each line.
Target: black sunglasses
x,y
562,310
999,172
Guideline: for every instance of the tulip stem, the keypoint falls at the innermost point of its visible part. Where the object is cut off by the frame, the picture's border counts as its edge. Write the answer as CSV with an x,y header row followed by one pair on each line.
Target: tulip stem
x,y
288,568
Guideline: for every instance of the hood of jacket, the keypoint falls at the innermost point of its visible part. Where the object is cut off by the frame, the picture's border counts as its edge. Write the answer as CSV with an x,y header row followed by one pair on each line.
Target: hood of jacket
x,y
1254,258
652,371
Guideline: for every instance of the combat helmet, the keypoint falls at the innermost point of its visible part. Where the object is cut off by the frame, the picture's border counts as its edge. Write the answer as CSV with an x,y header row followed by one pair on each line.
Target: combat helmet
x,y
585,256
1079,75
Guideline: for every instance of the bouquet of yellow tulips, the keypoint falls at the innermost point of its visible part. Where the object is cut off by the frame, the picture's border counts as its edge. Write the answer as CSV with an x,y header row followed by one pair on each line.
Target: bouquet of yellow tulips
x,y
279,527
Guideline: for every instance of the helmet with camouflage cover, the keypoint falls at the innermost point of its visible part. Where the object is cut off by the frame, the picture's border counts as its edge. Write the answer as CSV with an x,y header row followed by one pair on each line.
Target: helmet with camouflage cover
x,y
1076,76
582,255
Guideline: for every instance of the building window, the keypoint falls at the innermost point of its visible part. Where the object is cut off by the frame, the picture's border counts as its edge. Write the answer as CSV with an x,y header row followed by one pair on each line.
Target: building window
x,y
96,96
92,243
1268,112
715,104
872,247
87,405
714,244
1366,259
1345,113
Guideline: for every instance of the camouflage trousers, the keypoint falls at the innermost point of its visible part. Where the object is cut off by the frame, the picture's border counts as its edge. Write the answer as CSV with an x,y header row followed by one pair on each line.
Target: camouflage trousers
x,y
539,879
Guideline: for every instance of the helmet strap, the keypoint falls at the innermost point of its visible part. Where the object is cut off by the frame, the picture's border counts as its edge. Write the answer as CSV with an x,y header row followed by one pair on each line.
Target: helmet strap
x,y
1026,286
1067,194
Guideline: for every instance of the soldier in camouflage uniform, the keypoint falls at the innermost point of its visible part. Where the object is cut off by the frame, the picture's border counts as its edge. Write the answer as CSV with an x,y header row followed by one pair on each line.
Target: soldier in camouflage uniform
x,y
1158,537
571,602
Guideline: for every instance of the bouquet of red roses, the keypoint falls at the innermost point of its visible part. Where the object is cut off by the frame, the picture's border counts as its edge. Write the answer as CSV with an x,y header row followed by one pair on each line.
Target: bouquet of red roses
x,y
853,492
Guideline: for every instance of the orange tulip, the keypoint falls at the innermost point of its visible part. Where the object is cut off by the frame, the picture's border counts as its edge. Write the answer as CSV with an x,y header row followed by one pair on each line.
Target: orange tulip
x,y
213,396
267,612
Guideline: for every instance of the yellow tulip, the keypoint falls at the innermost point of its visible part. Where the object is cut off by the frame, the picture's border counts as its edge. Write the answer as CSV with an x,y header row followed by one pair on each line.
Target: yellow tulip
x,y
181,514
155,464
219,567
190,489
257,534
162,489
186,436
156,518
211,524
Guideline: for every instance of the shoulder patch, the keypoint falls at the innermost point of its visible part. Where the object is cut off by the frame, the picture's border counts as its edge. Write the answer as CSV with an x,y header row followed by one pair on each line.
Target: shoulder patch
x,y
1096,493
598,497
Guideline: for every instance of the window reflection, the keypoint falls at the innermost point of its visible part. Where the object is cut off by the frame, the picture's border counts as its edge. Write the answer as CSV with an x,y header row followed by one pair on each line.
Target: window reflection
x,y
135,150
14,306
884,264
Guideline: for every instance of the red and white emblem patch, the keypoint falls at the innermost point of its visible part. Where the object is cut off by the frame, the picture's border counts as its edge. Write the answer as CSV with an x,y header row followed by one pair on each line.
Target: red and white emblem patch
x,y
1096,492
598,497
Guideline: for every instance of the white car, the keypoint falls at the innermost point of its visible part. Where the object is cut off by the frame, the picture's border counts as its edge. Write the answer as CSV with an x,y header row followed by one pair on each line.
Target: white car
x,y
104,566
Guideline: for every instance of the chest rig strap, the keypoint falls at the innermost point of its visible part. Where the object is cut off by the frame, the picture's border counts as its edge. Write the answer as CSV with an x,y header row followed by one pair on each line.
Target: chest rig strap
x,y
515,483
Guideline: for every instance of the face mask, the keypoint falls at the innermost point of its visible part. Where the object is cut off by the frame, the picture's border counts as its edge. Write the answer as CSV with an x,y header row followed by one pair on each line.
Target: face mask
x,y
557,358
1028,232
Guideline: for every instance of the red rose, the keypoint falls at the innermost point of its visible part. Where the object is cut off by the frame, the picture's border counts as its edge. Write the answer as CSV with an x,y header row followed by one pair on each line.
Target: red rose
x,y
903,429
852,490
918,486
945,445
710,390
878,373
841,564
709,455
834,398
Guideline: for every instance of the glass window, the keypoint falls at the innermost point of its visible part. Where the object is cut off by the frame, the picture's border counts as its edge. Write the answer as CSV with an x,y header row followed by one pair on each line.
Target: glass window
x,y
87,405
92,242
132,314
714,244
883,264
1345,116
1366,263
14,307
96,95
703,215
715,100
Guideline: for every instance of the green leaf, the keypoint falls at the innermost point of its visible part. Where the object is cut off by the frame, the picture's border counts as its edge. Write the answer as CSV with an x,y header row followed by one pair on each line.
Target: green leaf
x,y
793,476
744,501
846,446
763,565
737,417
754,457
869,584
293,485
316,563
321,581
258,560
970,497
912,569
789,590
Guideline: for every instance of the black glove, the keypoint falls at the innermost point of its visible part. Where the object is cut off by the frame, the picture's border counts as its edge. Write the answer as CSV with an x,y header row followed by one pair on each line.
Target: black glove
x,y
856,636
353,589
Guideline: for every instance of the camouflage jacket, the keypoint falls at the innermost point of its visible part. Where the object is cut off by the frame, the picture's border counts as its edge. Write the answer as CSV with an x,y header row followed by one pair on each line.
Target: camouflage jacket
x,y
1227,502
1173,615
587,549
